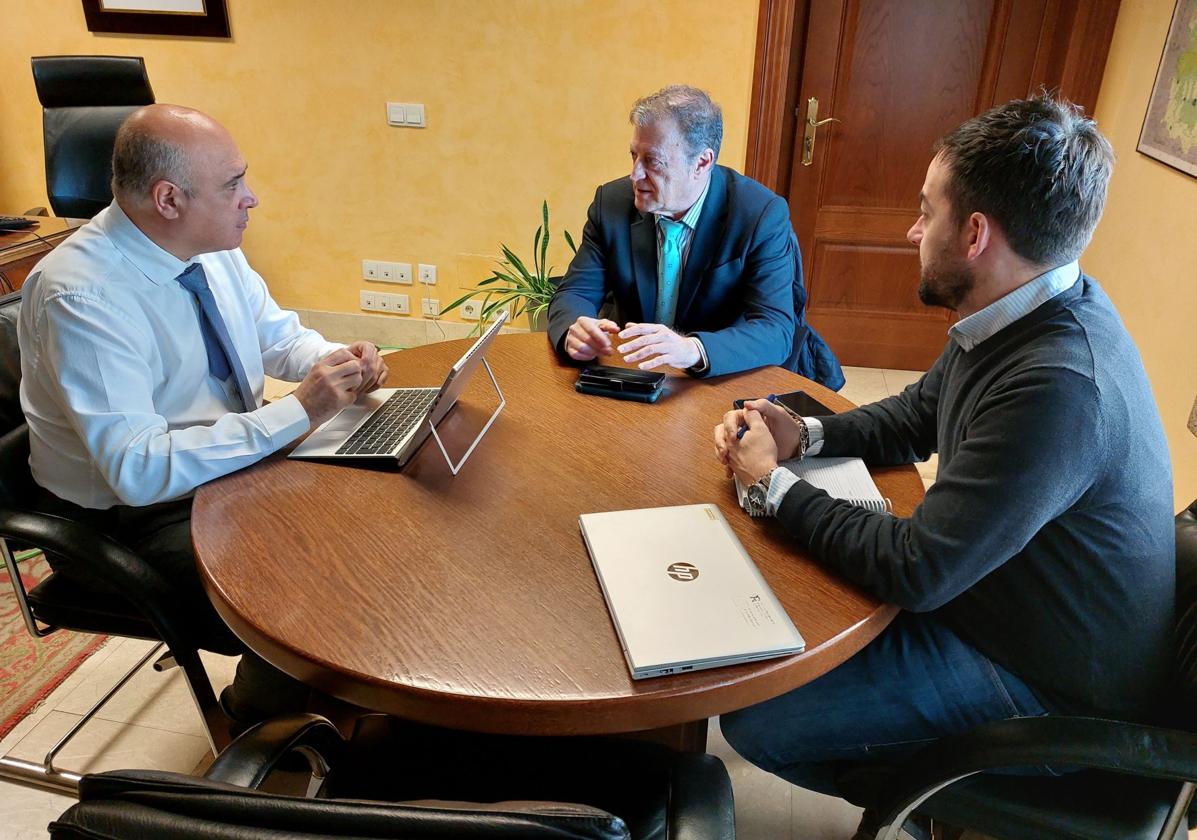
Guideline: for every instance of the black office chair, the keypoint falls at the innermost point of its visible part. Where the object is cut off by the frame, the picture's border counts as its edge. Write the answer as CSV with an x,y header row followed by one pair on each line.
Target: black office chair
x,y
145,612
1137,781
84,100
399,780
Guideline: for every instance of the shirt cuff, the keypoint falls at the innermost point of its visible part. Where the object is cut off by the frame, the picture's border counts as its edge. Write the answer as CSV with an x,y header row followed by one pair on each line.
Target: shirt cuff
x,y
284,420
814,431
779,484
704,363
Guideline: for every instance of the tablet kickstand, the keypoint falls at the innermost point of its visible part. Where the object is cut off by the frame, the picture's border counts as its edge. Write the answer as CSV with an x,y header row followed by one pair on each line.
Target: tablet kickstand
x,y
502,402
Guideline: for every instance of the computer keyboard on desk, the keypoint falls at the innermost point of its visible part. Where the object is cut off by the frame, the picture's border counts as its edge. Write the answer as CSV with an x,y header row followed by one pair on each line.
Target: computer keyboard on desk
x,y
380,434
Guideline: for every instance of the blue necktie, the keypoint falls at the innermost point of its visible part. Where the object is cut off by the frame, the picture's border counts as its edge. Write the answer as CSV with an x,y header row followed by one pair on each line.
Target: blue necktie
x,y
669,269
222,356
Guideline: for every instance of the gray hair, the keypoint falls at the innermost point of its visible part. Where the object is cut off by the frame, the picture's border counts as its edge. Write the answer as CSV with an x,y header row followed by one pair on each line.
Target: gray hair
x,y
141,158
1039,168
697,116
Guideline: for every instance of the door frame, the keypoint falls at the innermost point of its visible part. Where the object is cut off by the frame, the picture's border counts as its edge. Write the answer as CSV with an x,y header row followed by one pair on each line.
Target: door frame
x,y
1073,61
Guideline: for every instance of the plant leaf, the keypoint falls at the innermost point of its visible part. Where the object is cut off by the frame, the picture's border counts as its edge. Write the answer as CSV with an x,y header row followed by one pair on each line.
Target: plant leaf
x,y
570,240
458,302
541,271
536,263
515,261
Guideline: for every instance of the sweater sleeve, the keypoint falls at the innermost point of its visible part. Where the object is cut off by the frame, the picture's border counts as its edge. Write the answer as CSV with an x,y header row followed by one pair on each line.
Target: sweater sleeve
x,y
896,430
998,491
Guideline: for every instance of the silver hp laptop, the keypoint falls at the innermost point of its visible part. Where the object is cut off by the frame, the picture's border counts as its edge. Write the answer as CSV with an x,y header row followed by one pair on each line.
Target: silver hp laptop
x,y
394,422
683,593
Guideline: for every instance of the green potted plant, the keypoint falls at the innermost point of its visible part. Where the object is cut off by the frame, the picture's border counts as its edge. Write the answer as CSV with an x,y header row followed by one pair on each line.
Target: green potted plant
x,y
512,284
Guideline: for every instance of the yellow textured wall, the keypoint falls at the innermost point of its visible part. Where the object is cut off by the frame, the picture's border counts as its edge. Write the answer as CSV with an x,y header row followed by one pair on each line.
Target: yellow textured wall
x,y
525,99
1144,250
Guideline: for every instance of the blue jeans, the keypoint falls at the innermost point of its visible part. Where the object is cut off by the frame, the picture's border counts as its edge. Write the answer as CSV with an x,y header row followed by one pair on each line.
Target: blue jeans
x,y
916,682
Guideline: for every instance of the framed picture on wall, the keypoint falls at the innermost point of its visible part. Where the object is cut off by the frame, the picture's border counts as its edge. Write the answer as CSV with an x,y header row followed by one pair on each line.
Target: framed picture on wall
x,y
202,18
1170,127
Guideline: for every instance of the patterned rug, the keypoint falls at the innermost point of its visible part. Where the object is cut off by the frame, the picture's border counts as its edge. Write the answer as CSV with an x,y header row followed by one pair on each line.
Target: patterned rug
x,y
31,668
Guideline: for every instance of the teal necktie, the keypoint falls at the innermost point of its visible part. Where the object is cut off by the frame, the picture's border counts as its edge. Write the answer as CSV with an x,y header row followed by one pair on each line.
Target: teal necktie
x,y
669,269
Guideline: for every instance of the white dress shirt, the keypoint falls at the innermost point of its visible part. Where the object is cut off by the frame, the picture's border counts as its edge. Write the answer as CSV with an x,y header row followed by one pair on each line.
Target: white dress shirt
x,y
115,382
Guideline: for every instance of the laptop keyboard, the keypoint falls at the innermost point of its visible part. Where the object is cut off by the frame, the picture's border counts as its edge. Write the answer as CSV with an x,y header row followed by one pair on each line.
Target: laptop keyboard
x,y
381,433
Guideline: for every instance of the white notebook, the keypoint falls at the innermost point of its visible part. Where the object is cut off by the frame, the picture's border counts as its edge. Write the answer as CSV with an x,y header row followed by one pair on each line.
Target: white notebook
x,y
841,478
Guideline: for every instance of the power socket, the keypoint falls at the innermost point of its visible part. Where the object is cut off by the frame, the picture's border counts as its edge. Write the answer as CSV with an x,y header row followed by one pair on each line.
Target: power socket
x,y
391,272
428,274
471,310
371,270
431,306
368,300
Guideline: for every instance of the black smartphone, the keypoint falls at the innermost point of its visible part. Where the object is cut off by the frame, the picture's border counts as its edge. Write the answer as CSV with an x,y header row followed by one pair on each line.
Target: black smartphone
x,y
799,402
621,383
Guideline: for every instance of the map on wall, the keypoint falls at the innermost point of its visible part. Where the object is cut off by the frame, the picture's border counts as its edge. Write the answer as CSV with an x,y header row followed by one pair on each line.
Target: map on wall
x,y
1170,128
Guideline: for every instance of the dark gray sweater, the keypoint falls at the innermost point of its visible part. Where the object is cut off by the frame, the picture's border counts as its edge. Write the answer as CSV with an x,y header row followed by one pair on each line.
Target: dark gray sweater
x,y
1047,539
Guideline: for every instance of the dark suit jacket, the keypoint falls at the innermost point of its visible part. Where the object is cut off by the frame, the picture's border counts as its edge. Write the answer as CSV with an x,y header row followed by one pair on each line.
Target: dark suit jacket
x,y
740,287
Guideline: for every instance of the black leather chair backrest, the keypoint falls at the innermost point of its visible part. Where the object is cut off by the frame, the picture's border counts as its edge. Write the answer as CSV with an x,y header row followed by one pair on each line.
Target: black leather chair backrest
x,y
84,100
10,364
1186,612
121,805
15,479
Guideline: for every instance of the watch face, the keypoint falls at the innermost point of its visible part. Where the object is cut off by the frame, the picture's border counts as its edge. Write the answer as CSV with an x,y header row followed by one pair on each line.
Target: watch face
x,y
756,498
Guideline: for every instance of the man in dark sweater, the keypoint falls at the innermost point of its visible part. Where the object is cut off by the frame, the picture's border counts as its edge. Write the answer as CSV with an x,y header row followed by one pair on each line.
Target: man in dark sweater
x,y
1037,576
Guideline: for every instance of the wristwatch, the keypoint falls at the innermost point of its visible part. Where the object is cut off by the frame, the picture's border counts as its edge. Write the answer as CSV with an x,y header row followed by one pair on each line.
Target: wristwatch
x,y
757,493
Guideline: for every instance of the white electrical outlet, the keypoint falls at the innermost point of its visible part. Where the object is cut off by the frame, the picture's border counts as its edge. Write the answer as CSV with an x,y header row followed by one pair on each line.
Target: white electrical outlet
x,y
371,270
471,310
402,304
431,306
368,300
410,114
494,313
386,302
428,274
391,272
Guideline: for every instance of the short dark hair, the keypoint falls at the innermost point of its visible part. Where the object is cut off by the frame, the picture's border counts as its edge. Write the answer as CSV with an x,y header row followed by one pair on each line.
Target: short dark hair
x,y
1038,167
698,118
141,158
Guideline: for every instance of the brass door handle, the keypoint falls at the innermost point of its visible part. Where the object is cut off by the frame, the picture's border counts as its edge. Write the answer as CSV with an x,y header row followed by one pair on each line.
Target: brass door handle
x,y
808,134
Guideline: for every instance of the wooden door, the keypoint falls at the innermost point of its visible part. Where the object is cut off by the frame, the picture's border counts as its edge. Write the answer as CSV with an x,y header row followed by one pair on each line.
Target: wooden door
x,y
896,75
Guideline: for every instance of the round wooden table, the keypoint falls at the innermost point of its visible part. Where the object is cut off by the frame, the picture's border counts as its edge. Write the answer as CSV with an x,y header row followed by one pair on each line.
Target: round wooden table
x,y
470,601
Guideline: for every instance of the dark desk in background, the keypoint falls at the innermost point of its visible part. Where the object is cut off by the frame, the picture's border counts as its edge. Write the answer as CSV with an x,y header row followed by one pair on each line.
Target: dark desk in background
x,y
21,249
470,601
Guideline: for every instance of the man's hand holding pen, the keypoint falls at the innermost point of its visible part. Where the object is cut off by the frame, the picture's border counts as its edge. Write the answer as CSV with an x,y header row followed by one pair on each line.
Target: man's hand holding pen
x,y
750,441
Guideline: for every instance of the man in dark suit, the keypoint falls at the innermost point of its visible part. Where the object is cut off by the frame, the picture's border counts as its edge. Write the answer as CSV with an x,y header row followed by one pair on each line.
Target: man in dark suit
x,y
700,262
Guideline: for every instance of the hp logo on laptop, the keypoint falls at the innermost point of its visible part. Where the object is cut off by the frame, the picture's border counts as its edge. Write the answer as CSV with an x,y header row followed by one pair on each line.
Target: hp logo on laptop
x,y
682,571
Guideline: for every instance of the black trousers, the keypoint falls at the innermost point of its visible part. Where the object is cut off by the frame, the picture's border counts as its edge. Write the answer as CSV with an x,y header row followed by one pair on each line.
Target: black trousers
x,y
161,535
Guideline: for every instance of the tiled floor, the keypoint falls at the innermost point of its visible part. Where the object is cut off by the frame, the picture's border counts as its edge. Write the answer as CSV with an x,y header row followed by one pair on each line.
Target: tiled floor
x,y
153,724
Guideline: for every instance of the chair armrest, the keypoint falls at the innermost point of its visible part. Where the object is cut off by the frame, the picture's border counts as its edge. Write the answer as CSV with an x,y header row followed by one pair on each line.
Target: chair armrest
x,y
1075,742
250,759
137,581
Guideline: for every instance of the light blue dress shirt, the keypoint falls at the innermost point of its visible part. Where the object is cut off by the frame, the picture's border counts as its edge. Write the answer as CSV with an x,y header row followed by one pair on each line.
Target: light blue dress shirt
x,y
115,382
968,333
690,220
